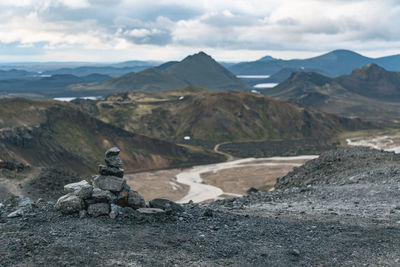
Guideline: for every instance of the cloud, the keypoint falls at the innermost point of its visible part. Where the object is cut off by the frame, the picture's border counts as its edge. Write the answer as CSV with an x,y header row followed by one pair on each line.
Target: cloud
x,y
174,27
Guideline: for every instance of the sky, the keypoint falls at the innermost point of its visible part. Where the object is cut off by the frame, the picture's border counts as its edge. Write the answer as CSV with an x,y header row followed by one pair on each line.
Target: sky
x,y
228,30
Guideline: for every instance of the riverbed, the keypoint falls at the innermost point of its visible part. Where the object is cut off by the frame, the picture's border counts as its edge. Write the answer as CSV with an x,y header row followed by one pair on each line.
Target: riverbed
x,y
214,181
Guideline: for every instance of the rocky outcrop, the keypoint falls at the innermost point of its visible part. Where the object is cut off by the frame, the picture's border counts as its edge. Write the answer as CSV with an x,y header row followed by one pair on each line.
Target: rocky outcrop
x,y
108,194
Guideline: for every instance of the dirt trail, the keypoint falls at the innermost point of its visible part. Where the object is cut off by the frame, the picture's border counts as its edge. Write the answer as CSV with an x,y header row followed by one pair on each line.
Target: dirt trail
x,y
13,181
229,157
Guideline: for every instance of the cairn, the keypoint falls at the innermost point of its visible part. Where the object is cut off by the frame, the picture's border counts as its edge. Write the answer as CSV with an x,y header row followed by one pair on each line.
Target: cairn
x,y
108,194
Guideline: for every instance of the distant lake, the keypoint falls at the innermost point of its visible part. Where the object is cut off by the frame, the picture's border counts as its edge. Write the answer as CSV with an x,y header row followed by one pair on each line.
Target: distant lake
x,y
265,85
69,99
253,76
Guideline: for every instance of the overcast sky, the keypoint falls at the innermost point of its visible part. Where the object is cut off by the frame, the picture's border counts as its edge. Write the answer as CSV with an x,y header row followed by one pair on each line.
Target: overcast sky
x,y
231,30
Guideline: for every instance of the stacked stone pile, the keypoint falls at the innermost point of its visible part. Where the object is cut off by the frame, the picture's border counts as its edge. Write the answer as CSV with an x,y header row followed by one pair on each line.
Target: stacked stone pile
x,y
108,194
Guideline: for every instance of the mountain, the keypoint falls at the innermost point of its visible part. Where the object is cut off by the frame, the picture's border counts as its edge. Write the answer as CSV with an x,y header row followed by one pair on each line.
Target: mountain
x,y
88,70
373,81
53,86
280,76
115,70
369,92
335,63
266,58
219,116
60,135
16,74
198,70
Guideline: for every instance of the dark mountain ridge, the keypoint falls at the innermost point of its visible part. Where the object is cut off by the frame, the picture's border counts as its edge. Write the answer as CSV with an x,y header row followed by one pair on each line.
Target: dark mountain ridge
x,y
369,92
217,116
60,135
335,63
196,70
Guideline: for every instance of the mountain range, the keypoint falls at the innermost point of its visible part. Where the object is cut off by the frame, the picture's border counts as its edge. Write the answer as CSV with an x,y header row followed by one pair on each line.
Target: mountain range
x,y
335,63
216,116
370,92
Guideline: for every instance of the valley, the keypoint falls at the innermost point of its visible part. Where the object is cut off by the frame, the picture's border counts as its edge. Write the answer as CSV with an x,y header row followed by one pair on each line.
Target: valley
x,y
207,183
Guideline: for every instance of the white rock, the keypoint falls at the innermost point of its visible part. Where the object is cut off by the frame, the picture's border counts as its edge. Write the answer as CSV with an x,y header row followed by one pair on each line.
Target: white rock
x,y
70,203
82,189
19,212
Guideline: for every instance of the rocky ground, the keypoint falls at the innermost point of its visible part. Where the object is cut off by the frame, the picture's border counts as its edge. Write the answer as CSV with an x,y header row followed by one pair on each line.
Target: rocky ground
x,y
320,216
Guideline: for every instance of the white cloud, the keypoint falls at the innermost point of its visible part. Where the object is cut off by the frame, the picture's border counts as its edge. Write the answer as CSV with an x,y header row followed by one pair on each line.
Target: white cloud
x,y
171,27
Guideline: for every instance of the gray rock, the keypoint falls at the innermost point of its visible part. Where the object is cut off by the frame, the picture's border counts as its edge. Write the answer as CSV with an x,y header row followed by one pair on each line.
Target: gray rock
x,y
115,211
24,202
99,196
111,183
123,196
82,214
82,189
99,209
208,212
149,213
18,213
114,151
165,204
40,202
114,161
110,171
69,203
127,211
135,200
294,252
113,215
1,205
116,208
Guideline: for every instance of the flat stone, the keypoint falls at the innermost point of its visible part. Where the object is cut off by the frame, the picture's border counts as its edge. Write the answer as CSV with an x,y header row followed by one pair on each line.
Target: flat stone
x,y
18,213
150,211
113,161
99,196
69,203
165,204
82,189
111,183
114,151
110,171
99,209
149,214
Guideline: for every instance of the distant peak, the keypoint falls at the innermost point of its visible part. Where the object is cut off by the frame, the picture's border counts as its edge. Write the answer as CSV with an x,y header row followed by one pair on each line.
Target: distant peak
x,y
371,67
199,56
267,58
343,51
370,71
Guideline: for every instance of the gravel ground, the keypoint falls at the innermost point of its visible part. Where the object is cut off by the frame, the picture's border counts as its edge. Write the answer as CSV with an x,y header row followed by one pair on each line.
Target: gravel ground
x,y
324,223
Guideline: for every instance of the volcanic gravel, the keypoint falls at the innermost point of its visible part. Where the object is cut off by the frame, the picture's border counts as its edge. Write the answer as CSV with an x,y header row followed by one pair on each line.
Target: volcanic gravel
x,y
325,223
